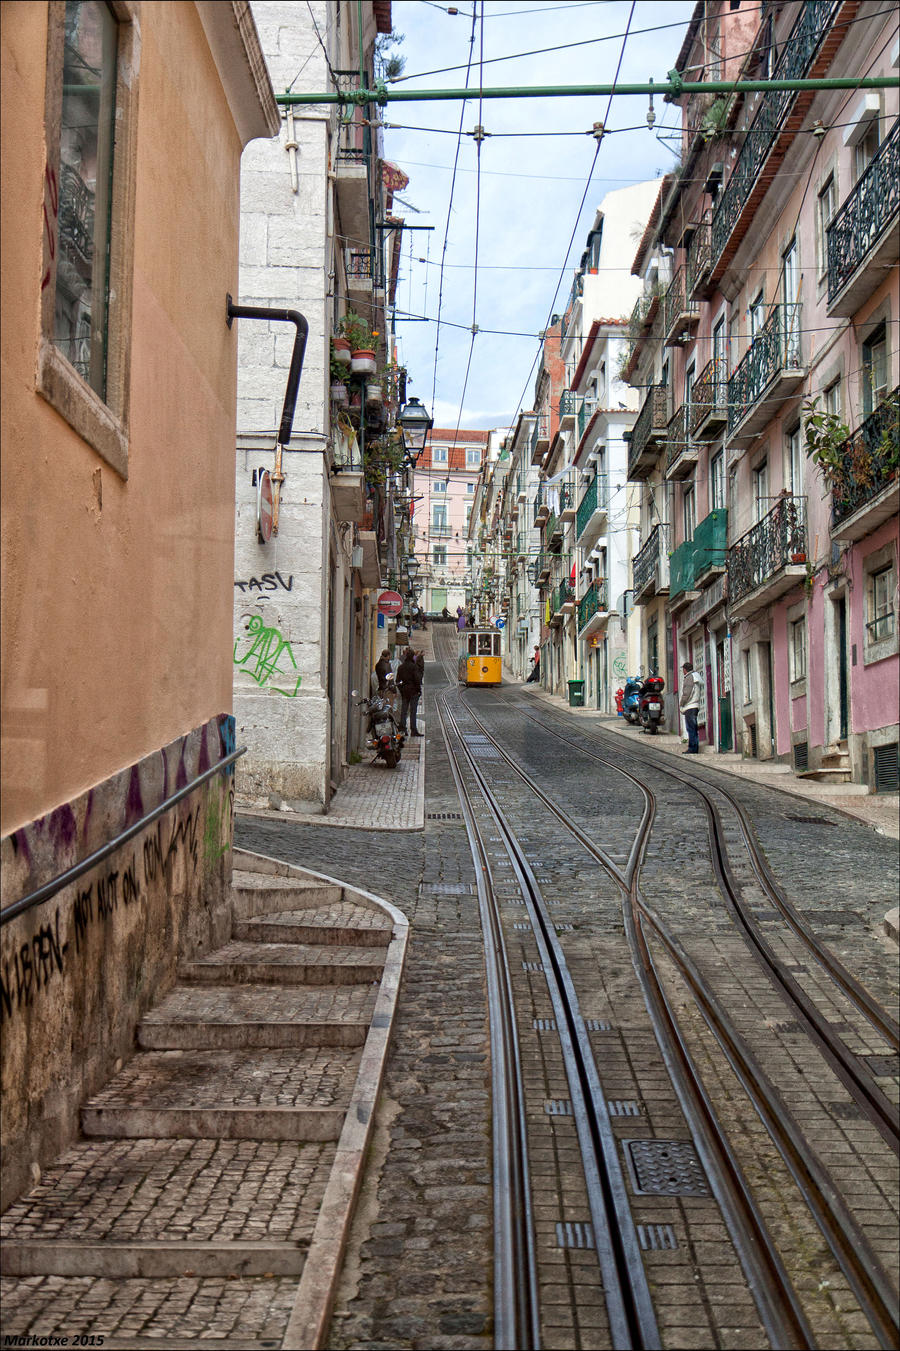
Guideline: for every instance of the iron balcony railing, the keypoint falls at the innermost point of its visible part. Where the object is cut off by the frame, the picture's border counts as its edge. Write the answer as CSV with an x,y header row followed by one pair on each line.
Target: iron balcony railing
x,y
651,421
586,410
797,55
567,493
563,595
76,219
358,264
568,403
871,205
551,526
592,602
676,436
574,295
775,348
541,510
594,498
870,460
709,395
647,560
770,545
699,258
678,308
540,431
641,317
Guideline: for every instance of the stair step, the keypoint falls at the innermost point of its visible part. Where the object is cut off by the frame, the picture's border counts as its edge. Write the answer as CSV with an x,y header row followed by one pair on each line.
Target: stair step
x,y
292,1094
826,775
194,1017
256,893
148,1260
309,926
284,964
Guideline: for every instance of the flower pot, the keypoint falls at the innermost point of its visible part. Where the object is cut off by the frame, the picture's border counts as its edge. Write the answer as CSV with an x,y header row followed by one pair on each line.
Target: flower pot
x,y
340,350
362,361
798,558
373,393
338,392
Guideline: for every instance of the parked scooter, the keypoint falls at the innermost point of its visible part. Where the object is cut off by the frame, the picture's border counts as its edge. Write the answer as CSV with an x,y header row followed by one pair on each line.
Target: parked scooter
x,y
383,736
651,703
631,700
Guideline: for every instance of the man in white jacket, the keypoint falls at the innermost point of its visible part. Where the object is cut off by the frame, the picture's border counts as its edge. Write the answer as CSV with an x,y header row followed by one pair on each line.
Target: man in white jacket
x,y
689,705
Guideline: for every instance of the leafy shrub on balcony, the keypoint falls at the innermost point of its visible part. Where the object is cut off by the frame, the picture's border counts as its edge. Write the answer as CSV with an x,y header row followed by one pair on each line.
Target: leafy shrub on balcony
x,y
825,436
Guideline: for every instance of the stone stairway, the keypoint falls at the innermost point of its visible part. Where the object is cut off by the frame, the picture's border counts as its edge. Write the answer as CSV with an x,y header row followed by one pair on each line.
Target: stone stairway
x,y
834,768
218,1167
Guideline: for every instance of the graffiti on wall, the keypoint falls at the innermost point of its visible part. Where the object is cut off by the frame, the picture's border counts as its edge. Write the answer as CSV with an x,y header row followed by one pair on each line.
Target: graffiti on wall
x,y
31,966
263,658
267,583
619,666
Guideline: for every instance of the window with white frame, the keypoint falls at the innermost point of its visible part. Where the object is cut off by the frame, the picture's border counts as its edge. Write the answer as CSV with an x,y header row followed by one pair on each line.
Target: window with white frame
x,y
473,459
826,206
874,369
880,619
795,461
438,486
831,399
470,487
760,490
756,314
439,555
797,649
717,481
438,517
438,454
747,669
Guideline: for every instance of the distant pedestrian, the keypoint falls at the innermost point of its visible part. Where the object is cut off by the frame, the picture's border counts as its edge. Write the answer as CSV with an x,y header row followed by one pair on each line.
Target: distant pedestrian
x,y
690,705
445,613
383,670
536,668
409,683
460,618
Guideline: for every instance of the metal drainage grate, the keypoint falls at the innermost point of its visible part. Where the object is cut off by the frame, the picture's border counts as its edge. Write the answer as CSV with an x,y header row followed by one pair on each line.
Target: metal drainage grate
x,y
532,966
521,926
558,1107
665,1168
544,1024
564,928
886,764
574,1234
811,820
449,888
623,1107
656,1236
443,816
882,1065
597,1025
801,757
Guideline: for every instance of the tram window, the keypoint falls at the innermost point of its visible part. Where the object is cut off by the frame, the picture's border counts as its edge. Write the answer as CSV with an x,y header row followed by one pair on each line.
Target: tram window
x,y
484,644
496,642
472,641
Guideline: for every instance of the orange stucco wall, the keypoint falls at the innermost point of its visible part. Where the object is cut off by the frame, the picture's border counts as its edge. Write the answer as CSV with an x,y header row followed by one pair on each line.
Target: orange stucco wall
x,y
117,596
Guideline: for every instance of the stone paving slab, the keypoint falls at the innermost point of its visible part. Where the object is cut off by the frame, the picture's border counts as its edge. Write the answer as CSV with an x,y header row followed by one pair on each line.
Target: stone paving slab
x,y
175,1190
137,1258
252,1312
334,925
285,963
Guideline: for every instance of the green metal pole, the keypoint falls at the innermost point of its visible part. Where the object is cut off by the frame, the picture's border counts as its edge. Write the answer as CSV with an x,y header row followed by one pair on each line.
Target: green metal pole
x,y
676,87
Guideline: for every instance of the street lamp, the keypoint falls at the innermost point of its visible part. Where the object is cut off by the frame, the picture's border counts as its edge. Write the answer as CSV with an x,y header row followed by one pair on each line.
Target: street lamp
x,y
416,424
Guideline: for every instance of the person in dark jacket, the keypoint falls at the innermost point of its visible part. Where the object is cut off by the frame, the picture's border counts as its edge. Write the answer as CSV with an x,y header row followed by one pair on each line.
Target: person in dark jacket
x,y
383,670
409,683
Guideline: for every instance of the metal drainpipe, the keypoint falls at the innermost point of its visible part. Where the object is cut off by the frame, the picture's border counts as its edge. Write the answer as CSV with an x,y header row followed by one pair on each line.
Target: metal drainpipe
x,y
293,383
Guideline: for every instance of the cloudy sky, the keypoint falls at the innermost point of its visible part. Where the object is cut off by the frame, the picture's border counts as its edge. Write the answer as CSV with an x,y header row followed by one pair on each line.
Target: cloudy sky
x,y
535,166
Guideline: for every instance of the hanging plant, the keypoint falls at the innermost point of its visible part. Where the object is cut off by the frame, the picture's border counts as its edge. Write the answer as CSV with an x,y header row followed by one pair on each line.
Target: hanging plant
x,y
826,440
340,352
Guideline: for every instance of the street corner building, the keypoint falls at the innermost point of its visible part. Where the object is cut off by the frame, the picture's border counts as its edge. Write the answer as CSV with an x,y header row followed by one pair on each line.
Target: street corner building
x,y
123,128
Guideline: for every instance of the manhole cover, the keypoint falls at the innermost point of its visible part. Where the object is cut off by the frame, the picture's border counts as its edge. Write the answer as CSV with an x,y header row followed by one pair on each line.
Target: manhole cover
x,y
665,1168
812,820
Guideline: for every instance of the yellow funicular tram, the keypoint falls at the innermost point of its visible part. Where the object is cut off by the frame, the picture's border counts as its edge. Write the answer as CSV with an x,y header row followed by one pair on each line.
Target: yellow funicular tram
x,y
479,656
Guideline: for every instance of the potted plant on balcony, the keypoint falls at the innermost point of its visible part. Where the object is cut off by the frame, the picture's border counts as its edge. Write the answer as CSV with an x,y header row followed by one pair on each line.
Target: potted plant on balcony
x,y
826,438
362,343
338,380
340,352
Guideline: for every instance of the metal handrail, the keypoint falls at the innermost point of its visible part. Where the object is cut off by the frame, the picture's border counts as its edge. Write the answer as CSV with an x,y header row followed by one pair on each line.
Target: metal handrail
x,y
79,869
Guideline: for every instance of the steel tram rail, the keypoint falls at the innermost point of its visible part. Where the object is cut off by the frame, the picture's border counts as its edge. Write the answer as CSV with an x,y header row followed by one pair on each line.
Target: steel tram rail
x,y
855,1077
848,1244
632,1319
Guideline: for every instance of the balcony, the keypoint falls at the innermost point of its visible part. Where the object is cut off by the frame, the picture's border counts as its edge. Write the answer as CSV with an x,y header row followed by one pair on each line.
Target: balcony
x,y
710,546
562,601
770,559
648,433
586,411
650,568
568,409
698,263
552,528
541,507
591,516
358,266
806,53
709,401
771,371
540,438
681,456
863,237
567,498
680,313
593,607
866,490
348,490
682,578
521,546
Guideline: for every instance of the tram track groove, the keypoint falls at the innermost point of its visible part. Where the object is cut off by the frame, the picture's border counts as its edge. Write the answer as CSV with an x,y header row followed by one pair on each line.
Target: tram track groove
x,y
847,1242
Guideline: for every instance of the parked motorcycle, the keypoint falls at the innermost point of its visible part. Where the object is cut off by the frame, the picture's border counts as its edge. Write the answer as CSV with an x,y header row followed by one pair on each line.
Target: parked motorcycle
x,y
631,699
383,736
651,703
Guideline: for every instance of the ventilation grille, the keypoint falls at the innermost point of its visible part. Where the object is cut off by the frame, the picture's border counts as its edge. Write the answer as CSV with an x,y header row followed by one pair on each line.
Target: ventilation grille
x,y
801,757
887,768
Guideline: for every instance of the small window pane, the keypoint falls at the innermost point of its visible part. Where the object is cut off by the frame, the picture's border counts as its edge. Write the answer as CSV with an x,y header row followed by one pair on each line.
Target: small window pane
x,y
798,649
85,181
880,605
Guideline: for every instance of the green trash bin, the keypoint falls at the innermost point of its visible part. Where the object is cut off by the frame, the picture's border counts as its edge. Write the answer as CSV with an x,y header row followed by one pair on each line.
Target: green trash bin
x,y
576,694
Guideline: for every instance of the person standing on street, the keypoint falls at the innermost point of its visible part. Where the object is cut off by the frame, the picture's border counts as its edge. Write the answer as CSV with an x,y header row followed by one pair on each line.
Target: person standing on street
x,y
409,683
383,670
690,706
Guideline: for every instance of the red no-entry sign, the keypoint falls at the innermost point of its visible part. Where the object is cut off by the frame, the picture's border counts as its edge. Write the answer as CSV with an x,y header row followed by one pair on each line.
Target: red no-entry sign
x,y
390,603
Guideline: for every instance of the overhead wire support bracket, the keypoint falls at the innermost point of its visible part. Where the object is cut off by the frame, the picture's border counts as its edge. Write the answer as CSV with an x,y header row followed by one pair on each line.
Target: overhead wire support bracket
x,y
673,86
